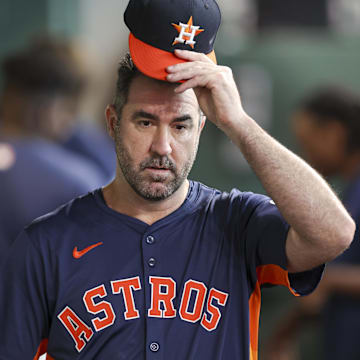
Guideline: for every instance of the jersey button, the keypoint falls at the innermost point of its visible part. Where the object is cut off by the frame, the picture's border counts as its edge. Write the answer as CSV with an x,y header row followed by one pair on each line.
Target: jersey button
x,y
154,347
151,262
150,240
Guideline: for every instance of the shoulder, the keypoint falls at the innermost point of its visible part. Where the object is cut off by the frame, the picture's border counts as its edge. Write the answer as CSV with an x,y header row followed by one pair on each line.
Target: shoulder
x,y
65,219
233,202
50,239
235,196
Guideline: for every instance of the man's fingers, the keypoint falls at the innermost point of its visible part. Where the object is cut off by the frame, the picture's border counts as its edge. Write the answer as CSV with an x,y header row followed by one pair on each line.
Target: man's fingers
x,y
191,55
192,83
196,65
187,72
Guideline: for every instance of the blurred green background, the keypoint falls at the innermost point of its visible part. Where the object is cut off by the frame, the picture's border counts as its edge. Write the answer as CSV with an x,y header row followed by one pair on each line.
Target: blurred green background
x,y
274,68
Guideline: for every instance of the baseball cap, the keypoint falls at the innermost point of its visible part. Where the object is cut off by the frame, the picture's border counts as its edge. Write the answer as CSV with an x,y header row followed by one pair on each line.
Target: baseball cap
x,y
158,27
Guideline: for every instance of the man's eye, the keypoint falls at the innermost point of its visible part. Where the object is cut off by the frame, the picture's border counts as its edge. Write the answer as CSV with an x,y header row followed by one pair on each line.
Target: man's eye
x,y
180,127
145,123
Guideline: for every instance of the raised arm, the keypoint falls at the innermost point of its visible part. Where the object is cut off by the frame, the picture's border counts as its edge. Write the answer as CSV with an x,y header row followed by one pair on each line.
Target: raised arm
x,y
321,228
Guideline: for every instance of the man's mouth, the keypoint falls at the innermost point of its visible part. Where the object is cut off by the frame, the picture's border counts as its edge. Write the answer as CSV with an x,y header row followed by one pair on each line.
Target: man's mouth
x,y
158,167
154,168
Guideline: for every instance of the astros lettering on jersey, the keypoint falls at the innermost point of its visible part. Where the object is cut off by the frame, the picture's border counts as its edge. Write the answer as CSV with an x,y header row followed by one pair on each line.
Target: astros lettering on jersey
x,y
78,328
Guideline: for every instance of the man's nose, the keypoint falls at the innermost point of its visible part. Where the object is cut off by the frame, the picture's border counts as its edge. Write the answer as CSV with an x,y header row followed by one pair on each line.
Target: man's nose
x,y
161,143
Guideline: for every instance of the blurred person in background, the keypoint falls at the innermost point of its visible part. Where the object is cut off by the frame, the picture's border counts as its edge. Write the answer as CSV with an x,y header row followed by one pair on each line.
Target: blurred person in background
x,y
327,127
91,141
42,86
88,135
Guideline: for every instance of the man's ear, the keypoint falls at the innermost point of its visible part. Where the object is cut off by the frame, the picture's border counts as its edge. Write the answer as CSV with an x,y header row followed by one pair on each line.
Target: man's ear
x,y
202,121
111,120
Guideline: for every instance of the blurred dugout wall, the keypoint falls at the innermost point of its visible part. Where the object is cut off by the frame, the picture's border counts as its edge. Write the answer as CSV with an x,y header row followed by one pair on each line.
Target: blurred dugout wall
x,y
278,49
95,26
20,20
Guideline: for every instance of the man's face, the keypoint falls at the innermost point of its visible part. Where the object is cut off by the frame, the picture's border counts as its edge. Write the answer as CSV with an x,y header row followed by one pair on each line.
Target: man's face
x,y
157,138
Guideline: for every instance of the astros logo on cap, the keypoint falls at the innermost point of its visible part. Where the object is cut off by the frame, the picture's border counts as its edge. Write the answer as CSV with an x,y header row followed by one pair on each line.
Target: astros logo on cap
x,y
153,50
184,31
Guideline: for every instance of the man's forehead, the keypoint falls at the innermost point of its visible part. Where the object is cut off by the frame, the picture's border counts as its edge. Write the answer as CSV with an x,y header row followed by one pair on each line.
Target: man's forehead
x,y
149,92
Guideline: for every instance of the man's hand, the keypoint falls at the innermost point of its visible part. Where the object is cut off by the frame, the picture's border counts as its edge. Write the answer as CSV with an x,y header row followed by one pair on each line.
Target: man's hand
x,y
214,87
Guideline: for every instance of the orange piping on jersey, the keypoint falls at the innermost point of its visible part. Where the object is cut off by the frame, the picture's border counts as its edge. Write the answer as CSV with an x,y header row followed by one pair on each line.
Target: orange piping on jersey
x,y
254,315
253,354
41,349
266,274
274,274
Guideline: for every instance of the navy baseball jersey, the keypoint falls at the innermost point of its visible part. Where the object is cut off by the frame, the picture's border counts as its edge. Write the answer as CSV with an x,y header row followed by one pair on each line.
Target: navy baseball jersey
x,y
86,282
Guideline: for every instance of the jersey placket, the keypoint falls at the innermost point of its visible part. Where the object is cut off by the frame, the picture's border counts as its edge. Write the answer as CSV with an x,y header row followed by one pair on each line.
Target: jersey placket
x,y
154,339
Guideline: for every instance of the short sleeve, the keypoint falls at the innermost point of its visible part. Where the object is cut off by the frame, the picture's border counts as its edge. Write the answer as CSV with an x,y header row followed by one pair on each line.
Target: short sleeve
x,y
23,309
351,202
265,239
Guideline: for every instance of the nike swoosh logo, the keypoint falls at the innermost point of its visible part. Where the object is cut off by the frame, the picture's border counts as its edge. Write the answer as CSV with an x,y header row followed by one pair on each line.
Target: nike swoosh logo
x,y
78,254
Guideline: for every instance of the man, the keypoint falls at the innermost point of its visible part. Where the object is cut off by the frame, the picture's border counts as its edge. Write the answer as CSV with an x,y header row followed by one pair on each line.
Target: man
x,y
41,85
331,114
154,265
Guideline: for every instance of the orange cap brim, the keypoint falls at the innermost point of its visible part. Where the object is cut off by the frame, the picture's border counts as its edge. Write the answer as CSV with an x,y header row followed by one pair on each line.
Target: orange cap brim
x,y
153,62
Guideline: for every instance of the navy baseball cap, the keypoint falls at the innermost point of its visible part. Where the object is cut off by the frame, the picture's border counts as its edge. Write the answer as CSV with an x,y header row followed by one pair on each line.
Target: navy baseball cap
x,y
158,27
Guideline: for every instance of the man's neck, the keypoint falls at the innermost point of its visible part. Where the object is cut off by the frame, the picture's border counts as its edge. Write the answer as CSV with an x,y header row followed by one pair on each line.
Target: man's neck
x,y
120,197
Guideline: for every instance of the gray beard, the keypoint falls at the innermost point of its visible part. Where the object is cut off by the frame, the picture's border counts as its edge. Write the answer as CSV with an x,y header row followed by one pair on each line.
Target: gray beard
x,y
143,186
